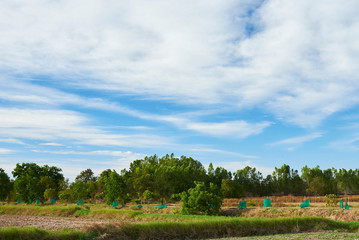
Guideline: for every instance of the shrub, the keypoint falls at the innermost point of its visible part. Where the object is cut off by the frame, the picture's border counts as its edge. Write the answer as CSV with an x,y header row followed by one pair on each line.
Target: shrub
x,y
331,200
251,204
201,200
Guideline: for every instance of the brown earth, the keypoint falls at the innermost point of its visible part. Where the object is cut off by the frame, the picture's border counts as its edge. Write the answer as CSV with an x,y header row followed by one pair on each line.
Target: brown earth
x,y
50,223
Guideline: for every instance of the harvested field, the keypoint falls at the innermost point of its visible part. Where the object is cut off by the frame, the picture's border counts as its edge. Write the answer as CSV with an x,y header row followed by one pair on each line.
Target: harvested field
x,y
290,201
275,212
50,223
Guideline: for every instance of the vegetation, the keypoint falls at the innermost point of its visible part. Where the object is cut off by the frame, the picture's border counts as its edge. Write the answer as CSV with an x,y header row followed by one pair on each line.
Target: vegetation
x,y
205,228
5,185
201,199
160,180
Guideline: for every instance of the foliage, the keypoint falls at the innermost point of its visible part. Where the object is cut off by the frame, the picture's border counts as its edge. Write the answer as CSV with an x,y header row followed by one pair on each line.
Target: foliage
x,y
79,190
331,200
163,178
86,176
65,195
201,199
115,188
5,185
32,180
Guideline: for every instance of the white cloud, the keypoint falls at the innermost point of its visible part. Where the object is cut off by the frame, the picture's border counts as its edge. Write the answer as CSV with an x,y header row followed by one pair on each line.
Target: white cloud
x,y
297,141
12,140
235,129
51,144
125,154
50,125
350,143
299,64
212,150
5,151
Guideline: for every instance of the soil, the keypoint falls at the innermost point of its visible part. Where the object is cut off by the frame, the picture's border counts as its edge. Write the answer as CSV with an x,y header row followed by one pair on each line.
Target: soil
x,y
50,223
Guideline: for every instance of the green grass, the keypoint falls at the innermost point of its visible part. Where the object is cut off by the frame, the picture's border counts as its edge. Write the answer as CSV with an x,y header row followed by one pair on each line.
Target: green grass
x,y
210,227
61,211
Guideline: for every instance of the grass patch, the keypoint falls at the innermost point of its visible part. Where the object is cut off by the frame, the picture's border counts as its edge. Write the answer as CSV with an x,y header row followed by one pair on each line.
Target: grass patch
x,y
59,211
197,229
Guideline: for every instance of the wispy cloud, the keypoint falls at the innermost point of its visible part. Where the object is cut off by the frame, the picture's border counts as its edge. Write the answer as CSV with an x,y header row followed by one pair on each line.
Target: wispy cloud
x,y
297,62
235,129
212,150
294,142
6,151
51,144
12,140
49,125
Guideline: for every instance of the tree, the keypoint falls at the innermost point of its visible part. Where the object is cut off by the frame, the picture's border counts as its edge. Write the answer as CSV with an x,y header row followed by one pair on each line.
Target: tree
x,y
79,190
230,189
288,181
115,188
250,179
201,200
86,176
32,181
5,185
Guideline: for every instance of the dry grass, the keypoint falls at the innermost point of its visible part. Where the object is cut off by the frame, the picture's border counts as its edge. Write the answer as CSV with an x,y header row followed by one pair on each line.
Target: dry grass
x,y
290,201
275,212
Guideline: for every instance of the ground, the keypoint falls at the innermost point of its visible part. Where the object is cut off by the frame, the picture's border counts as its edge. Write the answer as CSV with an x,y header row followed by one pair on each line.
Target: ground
x,y
50,223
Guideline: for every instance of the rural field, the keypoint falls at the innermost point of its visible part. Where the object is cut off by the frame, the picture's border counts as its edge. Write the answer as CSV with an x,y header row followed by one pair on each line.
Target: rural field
x,y
100,221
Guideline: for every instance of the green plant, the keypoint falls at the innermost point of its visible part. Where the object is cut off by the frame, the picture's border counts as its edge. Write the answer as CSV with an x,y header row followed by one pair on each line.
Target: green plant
x,y
201,200
331,200
251,204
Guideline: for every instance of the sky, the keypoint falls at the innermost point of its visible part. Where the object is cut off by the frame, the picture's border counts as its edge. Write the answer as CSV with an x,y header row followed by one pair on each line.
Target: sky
x,y
98,84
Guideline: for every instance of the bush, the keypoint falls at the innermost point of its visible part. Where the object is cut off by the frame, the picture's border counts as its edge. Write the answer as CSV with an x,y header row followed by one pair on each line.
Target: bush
x,y
201,200
251,204
331,200
176,197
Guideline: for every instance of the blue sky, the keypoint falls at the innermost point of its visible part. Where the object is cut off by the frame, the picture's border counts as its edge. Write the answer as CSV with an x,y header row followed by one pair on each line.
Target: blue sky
x,y
94,84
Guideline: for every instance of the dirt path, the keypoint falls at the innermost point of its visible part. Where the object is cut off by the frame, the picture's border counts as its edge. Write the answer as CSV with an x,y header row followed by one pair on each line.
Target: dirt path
x,y
51,223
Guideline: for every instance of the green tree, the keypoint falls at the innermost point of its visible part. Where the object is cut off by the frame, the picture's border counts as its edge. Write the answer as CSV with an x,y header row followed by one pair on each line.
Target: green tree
x,y
115,188
230,189
201,200
79,190
250,179
32,180
86,176
5,185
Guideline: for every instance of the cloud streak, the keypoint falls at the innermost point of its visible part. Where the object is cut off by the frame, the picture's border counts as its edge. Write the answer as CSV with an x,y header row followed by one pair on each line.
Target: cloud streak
x,y
194,53
297,141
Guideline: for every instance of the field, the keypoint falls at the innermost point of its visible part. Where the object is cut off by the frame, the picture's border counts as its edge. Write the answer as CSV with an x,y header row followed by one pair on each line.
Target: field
x,y
99,221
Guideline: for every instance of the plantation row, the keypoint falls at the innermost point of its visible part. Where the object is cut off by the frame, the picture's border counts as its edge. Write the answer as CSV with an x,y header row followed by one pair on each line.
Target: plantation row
x,y
170,178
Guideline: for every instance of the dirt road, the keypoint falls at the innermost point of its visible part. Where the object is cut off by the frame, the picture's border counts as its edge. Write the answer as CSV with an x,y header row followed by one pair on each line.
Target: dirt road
x,y
50,223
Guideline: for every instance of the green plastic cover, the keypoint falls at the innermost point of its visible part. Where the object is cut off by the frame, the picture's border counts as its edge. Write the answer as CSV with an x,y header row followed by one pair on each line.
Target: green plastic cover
x,y
267,202
242,205
80,203
341,203
212,205
162,206
52,200
305,204
346,206
114,203
38,201
139,206
18,200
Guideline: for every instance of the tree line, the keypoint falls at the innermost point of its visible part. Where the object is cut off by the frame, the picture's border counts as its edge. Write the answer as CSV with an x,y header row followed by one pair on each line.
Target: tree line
x,y
168,178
